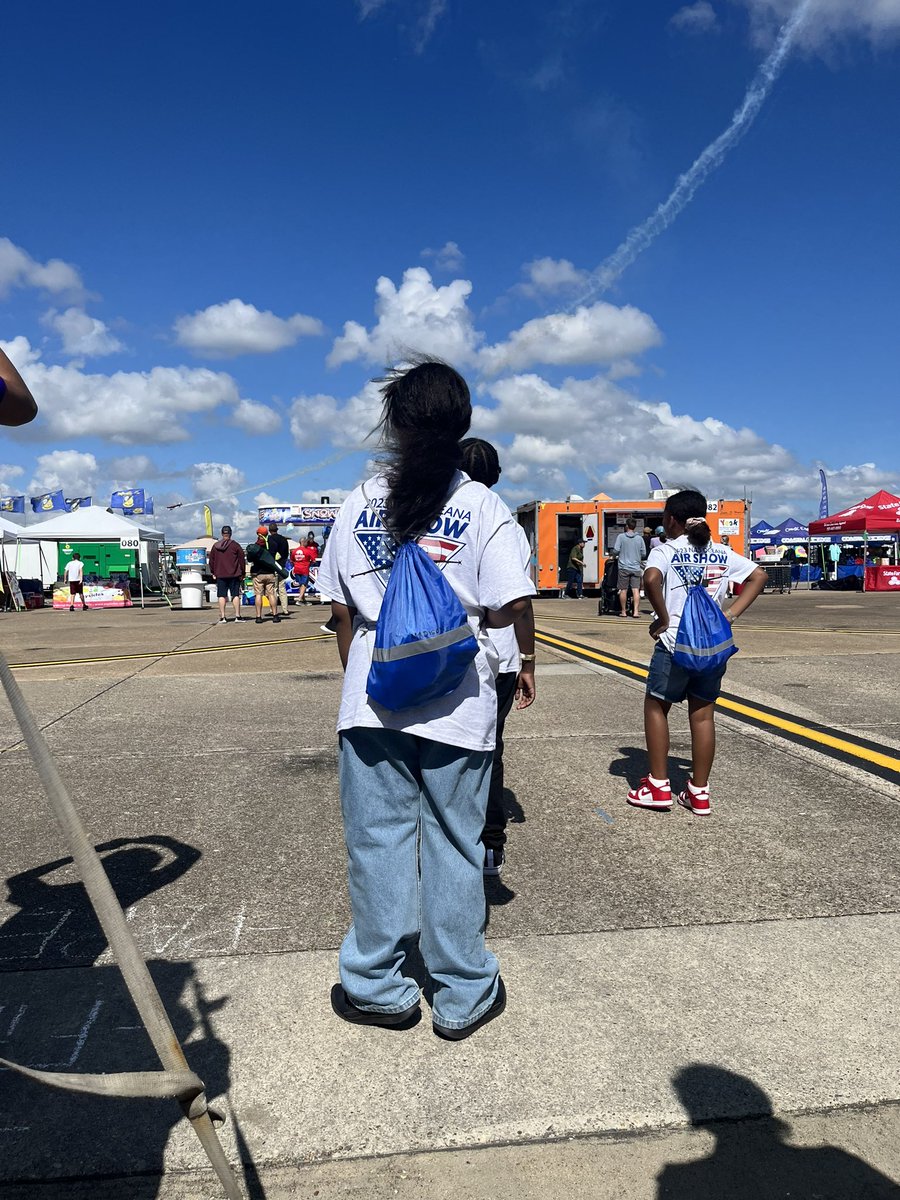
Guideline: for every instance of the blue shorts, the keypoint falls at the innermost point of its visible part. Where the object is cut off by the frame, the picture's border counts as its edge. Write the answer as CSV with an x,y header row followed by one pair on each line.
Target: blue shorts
x,y
229,587
671,683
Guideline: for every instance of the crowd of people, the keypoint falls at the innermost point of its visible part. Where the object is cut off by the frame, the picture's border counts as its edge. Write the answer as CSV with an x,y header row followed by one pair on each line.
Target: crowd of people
x,y
272,563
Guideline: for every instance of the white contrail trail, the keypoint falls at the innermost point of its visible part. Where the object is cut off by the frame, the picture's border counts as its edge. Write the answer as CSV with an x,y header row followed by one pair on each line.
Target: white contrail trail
x,y
643,235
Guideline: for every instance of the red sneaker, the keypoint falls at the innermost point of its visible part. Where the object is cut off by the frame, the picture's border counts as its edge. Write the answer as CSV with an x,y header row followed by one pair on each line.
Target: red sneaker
x,y
696,799
649,795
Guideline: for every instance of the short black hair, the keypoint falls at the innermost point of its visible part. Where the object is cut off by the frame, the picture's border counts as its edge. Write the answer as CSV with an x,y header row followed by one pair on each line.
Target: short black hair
x,y
480,461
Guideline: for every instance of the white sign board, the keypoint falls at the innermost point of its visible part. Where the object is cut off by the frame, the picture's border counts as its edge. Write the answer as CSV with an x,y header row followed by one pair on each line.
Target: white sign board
x,y
729,527
130,542
712,506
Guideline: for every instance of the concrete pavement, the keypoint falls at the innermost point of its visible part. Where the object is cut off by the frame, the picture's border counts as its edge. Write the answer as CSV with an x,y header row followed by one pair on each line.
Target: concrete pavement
x,y
760,944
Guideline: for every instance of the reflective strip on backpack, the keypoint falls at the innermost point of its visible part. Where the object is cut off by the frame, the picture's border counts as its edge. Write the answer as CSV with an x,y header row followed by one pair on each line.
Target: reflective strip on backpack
x,y
424,646
703,651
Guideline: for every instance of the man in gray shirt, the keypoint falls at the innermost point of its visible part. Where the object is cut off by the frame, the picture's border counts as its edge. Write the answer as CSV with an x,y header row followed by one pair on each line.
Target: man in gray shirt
x,y
631,553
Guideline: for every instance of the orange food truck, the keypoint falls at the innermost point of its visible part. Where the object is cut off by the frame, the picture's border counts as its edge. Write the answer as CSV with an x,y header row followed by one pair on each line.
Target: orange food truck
x,y
554,526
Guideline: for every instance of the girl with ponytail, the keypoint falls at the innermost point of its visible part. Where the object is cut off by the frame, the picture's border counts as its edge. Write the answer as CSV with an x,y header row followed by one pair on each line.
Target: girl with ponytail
x,y
414,782
688,557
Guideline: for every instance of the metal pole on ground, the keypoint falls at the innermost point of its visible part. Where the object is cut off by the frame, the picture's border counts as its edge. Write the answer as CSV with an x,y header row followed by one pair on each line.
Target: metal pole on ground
x,y
176,1080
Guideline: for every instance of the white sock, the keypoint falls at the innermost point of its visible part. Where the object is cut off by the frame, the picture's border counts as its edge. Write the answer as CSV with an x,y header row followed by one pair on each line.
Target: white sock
x,y
660,783
698,791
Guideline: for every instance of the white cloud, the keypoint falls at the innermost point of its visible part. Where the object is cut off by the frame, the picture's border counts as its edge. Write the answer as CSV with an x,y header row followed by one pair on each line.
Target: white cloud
x,y
323,418
549,275
73,471
427,23
131,470
255,418
429,13
448,258
10,479
83,336
19,269
596,334
123,408
695,18
218,483
876,20
417,316
594,427
234,327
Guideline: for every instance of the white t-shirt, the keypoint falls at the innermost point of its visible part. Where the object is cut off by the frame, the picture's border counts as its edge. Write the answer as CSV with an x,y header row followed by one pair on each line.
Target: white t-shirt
x,y
505,639
476,544
683,565
74,572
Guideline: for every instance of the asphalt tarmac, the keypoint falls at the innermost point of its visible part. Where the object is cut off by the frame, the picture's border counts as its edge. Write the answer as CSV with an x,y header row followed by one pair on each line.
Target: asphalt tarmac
x,y
759,946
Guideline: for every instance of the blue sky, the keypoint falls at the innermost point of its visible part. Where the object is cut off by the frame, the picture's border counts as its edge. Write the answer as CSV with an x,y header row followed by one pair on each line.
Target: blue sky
x,y
199,198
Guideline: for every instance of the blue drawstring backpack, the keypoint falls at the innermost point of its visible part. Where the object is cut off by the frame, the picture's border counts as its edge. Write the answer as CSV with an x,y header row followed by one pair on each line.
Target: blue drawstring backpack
x,y
703,643
423,641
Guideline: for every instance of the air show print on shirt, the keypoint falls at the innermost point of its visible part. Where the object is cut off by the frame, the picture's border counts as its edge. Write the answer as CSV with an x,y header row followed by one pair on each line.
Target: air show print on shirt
x,y
701,566
442,541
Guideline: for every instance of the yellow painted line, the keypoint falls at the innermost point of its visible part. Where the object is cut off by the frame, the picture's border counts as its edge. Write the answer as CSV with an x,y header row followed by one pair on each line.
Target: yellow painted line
x,y
750,628
784,723
81,662
889,761
621,664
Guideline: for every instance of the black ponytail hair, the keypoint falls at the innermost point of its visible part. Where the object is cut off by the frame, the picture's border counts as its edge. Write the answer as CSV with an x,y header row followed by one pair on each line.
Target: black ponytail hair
x,y
685,505
426,411
480,461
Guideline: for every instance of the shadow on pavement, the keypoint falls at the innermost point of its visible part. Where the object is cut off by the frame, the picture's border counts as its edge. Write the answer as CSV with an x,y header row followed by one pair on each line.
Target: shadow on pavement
x,y
56,926
633,766
751,1159
84,1021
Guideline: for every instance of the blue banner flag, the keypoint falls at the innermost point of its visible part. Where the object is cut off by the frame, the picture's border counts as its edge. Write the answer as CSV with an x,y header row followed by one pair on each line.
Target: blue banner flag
x,y
49,502
14,504
75,502
148,506
129,501
823,502
655,484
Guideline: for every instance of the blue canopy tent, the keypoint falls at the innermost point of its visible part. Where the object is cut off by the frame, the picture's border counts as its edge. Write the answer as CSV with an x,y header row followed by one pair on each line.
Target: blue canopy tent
x,y
761,534
791,532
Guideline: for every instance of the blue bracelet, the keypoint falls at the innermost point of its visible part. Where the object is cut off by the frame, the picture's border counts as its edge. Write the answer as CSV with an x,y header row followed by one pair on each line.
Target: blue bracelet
x,y
2,387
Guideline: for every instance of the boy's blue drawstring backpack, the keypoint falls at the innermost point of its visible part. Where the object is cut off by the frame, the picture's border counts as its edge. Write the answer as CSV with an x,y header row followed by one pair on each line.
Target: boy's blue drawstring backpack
x,y
423,641
703,643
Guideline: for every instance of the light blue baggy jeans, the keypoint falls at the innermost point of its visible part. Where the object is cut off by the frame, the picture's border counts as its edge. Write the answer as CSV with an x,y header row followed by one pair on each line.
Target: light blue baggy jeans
x,y
413,811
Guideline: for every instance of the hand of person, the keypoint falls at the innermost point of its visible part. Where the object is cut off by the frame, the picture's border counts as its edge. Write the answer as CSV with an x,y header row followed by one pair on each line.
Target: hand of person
x,y
658,626
526,689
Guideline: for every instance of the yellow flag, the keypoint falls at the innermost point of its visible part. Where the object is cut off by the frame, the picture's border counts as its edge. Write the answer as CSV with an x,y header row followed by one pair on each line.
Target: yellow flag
x,y
207,517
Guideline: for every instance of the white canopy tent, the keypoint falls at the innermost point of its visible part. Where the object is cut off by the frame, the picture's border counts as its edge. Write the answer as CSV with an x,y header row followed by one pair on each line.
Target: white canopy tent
x,y
22,553
97,525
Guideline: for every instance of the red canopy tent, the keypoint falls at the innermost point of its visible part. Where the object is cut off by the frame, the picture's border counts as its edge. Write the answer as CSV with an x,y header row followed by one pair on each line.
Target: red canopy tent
x,y
878,514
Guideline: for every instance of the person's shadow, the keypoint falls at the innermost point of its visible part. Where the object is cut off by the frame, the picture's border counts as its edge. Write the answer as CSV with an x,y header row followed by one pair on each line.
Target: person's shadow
x,y
751,1159
633,766
56,926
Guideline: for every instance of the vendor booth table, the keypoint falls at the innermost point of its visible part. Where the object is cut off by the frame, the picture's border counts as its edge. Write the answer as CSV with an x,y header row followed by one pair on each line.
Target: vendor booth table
x,y
96,595
882,579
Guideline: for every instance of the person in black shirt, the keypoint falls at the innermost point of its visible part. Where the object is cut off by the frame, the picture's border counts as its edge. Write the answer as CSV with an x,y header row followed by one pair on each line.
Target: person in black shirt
x,y
280,550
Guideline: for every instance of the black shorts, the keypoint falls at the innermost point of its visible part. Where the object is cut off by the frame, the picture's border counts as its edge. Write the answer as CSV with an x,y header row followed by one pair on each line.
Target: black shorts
x,y
229,587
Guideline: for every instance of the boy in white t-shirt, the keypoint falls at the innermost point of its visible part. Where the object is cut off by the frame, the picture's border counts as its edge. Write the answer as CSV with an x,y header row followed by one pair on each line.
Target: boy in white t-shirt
x,y
688,556
74,576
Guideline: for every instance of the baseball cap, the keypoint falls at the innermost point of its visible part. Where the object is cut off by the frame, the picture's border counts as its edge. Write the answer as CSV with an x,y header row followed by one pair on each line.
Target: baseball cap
x,y
262,529
659,529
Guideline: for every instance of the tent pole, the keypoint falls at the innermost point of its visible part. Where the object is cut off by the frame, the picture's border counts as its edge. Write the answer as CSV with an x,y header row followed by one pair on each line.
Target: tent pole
x,y
865,555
